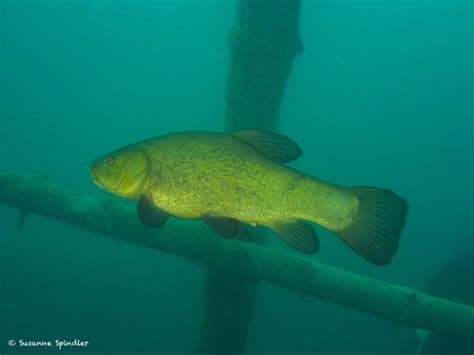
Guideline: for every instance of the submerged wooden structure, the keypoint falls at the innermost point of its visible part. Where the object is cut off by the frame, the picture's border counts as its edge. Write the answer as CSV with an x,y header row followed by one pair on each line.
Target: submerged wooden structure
x,y
263,42
302,275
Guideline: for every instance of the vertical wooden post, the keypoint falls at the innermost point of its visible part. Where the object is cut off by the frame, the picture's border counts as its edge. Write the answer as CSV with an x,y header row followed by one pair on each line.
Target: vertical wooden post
x,y
3,14
263,43
3,74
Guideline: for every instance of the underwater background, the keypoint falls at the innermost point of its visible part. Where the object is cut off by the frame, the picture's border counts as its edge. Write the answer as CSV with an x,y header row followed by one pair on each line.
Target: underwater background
x,y
381,95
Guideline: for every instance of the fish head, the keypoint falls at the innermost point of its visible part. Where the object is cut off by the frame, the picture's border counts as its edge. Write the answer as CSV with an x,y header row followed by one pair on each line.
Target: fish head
x,y
122,172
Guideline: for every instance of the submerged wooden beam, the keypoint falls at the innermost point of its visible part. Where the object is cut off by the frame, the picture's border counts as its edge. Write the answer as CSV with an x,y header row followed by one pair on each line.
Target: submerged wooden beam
x,y
302,275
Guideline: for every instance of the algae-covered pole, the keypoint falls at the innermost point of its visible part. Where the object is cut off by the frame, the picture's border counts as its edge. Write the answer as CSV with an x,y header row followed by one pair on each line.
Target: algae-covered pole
x,y
229,298
263,43
2,59
302,275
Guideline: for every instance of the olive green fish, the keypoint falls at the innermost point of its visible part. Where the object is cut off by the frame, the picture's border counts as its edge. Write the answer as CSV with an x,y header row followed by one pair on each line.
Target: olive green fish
x,y
240,177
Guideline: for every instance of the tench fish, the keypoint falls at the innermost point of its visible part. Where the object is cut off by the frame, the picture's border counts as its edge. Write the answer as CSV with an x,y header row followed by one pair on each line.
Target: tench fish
x,y
231,179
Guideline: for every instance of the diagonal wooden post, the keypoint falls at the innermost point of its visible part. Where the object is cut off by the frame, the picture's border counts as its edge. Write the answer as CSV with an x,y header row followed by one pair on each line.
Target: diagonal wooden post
x,y
263,43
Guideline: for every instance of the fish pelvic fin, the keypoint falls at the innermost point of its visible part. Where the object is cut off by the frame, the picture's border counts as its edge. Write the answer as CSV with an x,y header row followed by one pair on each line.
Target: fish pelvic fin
x,y
224,226
377,224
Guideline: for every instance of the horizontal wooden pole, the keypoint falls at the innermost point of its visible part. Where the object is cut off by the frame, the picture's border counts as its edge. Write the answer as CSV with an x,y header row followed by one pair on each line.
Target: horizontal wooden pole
x,y
303,275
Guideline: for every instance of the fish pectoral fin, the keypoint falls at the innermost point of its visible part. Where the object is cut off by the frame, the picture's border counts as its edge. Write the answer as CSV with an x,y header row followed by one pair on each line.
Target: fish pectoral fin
x,y
273,146
224,226
298,235
149,214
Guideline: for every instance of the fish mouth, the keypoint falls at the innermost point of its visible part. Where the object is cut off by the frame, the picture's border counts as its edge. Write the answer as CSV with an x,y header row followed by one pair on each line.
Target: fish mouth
x,y
94,176
105,185
98,184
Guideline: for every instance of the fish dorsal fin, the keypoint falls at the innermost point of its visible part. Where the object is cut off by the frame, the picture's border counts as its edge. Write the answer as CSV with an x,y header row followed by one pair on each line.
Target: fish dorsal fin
x,y
149,214
298,235
274,146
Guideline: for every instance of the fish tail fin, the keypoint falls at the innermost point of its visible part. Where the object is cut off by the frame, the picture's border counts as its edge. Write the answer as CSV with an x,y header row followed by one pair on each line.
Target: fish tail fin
x,y
377,224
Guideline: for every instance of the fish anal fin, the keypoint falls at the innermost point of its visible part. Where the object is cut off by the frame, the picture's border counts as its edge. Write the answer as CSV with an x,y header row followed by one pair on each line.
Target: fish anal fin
x,y
274,146
149,214
299,235
224,226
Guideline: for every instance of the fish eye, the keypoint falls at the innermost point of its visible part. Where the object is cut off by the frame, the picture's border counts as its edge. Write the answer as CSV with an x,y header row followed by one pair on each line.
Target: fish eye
x,y
110,160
